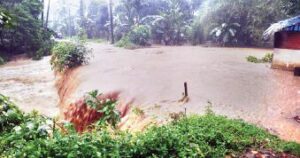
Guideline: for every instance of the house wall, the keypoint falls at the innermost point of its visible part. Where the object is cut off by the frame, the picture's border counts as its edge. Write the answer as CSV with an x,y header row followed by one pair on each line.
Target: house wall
x,y
287,40
287,50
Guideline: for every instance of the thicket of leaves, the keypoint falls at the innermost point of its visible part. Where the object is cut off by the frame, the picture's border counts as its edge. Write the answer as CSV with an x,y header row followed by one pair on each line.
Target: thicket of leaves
x,y
95,108
175,22
67,55
25,32
31,135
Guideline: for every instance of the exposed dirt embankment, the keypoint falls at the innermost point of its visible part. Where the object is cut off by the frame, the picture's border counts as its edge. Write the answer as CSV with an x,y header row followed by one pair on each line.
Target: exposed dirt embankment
x,y
66,83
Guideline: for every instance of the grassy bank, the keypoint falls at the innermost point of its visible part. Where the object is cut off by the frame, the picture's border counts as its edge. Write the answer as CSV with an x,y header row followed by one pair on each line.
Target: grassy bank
x,y
31,135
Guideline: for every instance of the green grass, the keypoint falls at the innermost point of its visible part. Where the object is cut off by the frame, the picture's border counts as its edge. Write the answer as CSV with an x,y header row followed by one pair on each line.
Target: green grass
x,y
195,136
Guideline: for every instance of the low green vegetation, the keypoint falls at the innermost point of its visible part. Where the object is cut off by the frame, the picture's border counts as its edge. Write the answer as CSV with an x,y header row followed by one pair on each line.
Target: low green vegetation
x,y
31,135
125,42
67,55
138,37
265,59
108,108
22,29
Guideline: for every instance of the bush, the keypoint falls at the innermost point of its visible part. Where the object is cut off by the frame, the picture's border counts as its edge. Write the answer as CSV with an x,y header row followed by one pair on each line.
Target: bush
x,y
10,115
252,59
125,42
44,50
101,109
266,59
140,35
68,55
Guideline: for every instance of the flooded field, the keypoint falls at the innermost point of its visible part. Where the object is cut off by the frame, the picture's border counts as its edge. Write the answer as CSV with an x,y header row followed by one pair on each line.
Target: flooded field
x,y
154,78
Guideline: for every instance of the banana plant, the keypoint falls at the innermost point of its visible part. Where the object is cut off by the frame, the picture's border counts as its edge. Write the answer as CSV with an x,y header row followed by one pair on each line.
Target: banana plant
x,y
4,19
225,34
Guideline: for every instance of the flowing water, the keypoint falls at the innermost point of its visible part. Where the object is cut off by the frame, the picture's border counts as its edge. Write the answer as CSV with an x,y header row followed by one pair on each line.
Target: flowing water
x,y
153,78
30,84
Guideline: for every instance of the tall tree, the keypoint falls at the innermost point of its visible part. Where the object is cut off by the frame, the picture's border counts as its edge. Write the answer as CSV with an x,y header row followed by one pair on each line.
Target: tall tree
x,y
47,18
111,22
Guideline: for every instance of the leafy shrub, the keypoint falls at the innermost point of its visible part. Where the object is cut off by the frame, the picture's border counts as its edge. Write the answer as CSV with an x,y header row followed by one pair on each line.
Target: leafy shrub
x,y
266,59
125,42
140,35
252,59
95,108
45,49
10,115
68,55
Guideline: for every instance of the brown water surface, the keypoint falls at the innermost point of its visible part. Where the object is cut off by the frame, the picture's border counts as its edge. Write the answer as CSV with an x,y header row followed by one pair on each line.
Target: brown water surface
x,y
154,78
30,84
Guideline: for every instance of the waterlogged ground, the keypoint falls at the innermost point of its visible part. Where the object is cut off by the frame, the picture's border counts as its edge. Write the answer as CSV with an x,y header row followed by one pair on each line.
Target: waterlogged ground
x,y
154,78
30,84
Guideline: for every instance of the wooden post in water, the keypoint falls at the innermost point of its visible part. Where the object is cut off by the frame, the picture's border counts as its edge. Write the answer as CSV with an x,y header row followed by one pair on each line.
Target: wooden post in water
x,y
185,90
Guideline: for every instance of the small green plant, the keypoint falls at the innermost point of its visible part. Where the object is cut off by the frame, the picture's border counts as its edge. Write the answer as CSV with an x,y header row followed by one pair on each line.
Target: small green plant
x,y
252,59
125,42
10,115
208,109
107,107
67,55
266,59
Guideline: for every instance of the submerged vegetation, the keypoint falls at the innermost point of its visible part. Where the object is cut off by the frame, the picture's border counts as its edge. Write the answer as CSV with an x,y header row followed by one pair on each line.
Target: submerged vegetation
x,y
32,135
265,59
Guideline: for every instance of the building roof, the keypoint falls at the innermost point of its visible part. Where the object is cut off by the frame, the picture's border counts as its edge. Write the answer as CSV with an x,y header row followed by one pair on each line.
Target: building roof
x,y
292,24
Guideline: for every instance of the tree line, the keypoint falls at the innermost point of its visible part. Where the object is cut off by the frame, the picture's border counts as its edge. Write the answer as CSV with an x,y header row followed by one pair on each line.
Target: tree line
x,y
175,22
169,22
24,32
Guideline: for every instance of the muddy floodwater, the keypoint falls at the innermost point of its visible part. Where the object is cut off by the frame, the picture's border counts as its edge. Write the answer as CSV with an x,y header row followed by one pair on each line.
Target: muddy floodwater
x,y
154,78
30,84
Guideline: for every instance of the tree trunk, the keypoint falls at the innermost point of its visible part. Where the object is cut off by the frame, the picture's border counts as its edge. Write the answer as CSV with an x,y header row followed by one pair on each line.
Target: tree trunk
x,y
43,2
111,22
47,18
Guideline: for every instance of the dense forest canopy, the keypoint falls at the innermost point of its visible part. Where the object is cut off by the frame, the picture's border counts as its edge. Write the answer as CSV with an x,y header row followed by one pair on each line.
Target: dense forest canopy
x,y
169,22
